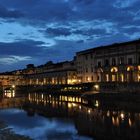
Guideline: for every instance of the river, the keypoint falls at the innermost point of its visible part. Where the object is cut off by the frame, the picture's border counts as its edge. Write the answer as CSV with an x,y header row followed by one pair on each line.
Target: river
x,y
44,116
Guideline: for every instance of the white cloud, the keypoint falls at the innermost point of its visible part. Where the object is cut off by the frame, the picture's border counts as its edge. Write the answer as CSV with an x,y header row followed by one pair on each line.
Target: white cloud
x,y
84,26
20,32
11,59
133,36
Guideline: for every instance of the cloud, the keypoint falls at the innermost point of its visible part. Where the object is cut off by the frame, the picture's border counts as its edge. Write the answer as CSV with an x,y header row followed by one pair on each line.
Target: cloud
x,y
6,13
12,59
90,32
42,10
21,48
80,41
131,29
133,35
81,30
16,55
124,3
10,33
40,13
69,33
58,31
22,52
84,1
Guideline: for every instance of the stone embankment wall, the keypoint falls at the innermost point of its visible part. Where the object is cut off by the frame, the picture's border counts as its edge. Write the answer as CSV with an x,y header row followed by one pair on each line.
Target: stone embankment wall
x,y
119,87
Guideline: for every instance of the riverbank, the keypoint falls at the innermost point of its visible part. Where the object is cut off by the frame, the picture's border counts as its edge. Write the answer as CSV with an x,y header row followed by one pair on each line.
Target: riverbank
x,y
114,96
79,88
85,91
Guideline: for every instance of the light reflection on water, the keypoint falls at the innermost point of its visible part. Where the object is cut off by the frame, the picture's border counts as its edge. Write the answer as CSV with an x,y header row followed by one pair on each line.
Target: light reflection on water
x,y
62,117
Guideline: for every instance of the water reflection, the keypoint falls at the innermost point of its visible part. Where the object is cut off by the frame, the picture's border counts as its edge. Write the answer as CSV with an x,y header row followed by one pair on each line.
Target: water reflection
x,y
94,121
47,98
40,128
71,117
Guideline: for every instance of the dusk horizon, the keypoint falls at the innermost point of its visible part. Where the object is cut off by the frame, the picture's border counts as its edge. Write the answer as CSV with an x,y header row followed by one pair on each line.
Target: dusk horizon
x,y
65,60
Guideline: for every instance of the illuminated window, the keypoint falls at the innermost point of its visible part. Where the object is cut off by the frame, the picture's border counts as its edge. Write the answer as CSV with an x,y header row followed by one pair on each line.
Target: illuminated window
x,y
37,81
122,77
138,77
114,69
53,80
130,68
113,78
79,80
139,68
44,80
87,78
30,81
121,60
107,77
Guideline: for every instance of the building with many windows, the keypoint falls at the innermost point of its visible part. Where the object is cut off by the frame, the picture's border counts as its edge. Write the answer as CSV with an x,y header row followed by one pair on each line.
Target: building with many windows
x,y
113,63
53,73
8,79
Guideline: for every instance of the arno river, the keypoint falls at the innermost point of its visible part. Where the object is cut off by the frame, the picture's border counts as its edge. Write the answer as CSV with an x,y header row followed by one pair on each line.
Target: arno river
x,y
44,116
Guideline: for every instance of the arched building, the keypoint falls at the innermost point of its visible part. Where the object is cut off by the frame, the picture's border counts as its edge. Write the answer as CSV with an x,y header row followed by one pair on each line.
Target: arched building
x,y
113,63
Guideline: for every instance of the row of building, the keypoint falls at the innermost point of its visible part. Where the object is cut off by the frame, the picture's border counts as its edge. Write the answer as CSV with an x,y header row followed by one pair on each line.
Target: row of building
x,y
118,62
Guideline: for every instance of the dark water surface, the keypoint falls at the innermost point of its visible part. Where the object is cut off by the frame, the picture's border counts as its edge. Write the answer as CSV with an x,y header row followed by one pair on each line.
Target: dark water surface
x,y
46,117
40,128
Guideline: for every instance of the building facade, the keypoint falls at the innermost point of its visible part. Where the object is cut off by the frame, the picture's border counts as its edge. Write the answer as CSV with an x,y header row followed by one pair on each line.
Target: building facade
x,y
113,63
11,79
52,78
53,74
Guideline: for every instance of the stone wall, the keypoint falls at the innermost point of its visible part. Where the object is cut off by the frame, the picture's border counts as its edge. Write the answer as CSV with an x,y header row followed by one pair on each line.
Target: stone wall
x,y
111,87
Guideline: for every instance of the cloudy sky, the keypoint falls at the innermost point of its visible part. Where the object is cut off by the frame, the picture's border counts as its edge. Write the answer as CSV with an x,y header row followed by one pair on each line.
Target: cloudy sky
x,y
36,31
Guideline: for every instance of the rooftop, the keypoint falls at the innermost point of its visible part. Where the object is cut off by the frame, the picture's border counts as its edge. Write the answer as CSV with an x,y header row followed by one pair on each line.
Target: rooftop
x,y
109,46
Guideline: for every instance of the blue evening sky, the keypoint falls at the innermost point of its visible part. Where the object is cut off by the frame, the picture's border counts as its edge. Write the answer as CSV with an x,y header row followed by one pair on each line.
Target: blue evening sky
x,y
36,31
